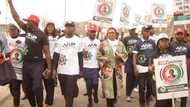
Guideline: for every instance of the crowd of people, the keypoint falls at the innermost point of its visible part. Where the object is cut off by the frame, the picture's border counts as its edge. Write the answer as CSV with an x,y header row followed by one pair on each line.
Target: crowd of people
x,y
39,58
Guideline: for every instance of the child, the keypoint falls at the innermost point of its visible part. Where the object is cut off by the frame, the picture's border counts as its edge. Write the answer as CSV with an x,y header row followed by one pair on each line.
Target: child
x,y
162,50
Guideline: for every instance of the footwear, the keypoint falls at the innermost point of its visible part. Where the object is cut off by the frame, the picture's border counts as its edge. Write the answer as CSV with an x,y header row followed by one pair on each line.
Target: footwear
x,y
85,94
90,104
24,98
96,100
128,99
136,89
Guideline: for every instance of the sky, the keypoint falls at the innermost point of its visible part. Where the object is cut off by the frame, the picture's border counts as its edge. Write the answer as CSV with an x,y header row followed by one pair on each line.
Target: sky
x,y
76,10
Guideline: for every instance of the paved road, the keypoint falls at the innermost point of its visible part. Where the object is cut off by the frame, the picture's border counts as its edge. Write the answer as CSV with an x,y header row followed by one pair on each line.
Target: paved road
x,y
81,101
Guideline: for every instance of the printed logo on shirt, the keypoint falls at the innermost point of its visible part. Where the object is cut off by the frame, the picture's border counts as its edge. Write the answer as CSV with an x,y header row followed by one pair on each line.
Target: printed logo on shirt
x,y
88,57
17,55
69,44
62,60
92,45
146,46
132,42
31,37
141,59
181,49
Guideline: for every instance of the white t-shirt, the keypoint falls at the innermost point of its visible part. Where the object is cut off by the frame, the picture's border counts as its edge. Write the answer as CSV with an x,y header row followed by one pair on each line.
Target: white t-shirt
x,y
68,48
52,42
18,49
113,44
91,46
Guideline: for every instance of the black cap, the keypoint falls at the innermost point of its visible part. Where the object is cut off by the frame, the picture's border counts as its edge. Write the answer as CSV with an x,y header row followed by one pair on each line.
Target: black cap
x,y
150,26
146,28
69,23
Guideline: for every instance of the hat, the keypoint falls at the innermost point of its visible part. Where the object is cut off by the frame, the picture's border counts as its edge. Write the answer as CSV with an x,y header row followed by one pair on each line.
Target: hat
x,y
33,18
179,30
145,28
150,26
12,26
131,27
92,27
162,36
69,23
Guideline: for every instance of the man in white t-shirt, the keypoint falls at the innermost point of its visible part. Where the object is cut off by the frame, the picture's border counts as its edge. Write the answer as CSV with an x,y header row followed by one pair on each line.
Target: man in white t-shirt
x,y
90,63
66,62
17,47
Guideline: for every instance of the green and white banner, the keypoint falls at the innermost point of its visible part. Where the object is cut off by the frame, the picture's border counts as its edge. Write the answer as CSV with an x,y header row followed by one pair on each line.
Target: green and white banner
x,y
171,77
181,12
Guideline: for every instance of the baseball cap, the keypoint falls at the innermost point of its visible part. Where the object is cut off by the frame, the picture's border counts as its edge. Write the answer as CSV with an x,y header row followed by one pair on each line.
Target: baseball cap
x,y
92,27
69,23
162,36
33,18
179,30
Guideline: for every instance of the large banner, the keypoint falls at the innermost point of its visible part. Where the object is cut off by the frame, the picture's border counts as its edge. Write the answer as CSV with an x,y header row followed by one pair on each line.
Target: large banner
x,y
104,10
158,12
181,12
125,13
171,77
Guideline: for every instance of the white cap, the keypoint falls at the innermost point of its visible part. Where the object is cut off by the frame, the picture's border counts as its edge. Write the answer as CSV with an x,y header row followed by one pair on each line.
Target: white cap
x,y
162,36
132,26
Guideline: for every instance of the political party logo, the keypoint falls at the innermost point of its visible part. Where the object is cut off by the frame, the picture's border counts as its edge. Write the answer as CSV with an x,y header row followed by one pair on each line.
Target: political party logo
x,y
62,60
159,12
171,73
141,59
130,49
105,8
17,55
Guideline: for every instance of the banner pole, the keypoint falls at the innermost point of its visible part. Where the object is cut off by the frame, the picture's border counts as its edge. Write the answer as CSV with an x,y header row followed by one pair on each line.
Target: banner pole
x,y
173,100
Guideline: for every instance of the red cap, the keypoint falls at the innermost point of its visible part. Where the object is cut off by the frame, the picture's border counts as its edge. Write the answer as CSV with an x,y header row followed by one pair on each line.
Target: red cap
x,y
33,18
92,27
179,30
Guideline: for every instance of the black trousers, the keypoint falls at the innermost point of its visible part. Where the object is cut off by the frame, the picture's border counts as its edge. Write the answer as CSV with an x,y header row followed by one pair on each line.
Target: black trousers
x,y
110,102
183,102
15,87
49,84
32,79
69,88
50,88
131,83
145,88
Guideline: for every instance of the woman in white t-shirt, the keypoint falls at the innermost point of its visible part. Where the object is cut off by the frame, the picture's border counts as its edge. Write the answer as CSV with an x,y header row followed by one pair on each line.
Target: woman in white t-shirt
x,y
50,82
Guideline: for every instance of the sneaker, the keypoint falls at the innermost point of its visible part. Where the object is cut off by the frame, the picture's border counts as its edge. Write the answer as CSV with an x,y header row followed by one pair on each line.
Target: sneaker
x,y
136,89
128,99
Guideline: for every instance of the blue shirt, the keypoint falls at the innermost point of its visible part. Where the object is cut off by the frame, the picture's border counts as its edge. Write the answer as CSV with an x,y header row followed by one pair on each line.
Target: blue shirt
x,y
144,50
180,48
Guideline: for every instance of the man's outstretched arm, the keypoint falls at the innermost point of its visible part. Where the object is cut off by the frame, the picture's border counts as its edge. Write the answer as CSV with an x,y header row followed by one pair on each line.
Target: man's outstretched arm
x,y
15,15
